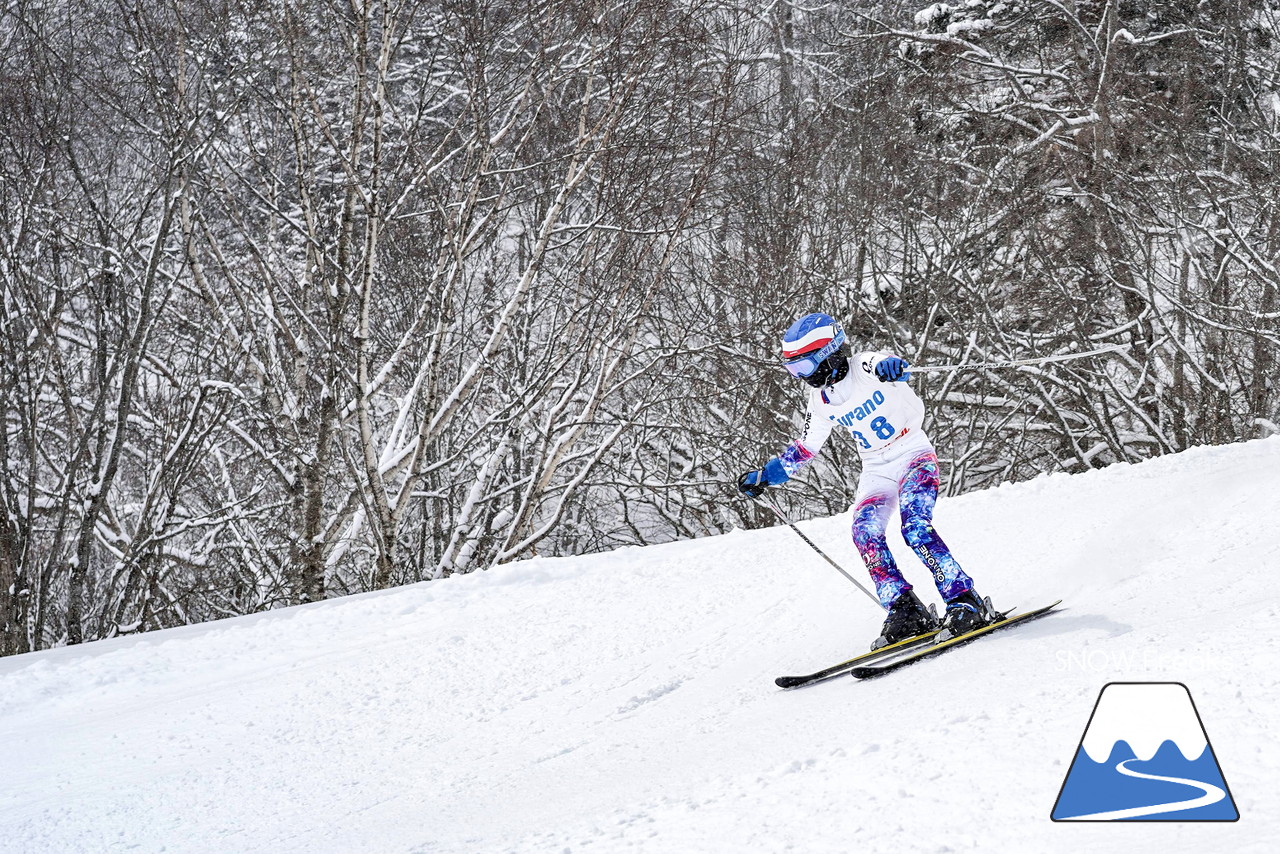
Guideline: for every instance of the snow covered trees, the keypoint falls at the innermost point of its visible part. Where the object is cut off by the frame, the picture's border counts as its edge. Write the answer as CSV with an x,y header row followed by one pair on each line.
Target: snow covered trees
x,y
332,298
306,300
1097,176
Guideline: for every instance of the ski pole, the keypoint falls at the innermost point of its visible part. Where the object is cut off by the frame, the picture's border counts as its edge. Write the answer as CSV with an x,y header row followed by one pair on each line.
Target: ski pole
x,y
773,505
1064,357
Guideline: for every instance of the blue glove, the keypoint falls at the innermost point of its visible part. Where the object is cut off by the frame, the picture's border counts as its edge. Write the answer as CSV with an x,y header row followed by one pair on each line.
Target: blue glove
x,y
891,369
752,484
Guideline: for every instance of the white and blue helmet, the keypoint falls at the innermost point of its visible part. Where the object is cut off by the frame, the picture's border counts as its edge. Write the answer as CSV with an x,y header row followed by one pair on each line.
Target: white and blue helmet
x,y
814,349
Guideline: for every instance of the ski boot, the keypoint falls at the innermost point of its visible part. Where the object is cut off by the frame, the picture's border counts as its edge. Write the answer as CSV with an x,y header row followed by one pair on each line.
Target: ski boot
x,y
965,613
907,618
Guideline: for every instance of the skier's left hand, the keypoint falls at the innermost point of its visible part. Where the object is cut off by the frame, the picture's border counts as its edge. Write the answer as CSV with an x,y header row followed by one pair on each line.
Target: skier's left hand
x,y
891,369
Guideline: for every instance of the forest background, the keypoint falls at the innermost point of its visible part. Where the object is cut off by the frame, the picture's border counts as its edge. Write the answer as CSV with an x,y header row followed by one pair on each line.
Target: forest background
x,y
304,299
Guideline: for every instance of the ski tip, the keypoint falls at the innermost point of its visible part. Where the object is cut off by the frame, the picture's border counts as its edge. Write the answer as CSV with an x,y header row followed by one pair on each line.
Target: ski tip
x,y
787,681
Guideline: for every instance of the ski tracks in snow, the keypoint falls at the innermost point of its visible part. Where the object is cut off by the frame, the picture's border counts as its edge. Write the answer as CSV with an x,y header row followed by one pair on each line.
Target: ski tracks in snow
x,y
626,700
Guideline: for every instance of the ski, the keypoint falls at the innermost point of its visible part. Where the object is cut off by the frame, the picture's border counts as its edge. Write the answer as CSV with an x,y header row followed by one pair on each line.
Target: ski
x,y
865,658
928,650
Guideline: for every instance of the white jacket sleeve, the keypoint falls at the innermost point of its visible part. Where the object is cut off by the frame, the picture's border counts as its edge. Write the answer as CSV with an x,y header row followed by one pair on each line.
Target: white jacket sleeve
x,y
812,437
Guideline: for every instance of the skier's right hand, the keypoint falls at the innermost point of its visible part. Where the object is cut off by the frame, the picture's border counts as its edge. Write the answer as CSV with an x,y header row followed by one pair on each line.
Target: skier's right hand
x,y
753,483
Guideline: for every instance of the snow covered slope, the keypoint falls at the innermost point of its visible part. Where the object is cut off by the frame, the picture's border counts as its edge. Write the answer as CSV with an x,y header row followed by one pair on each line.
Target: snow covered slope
x,y
626,702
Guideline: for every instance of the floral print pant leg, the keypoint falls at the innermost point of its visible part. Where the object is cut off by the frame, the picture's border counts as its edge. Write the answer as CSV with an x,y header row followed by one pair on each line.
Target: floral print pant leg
x,y
915,491
870,517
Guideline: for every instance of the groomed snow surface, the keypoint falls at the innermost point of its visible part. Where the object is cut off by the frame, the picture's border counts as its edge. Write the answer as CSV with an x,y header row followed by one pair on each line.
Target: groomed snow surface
x,y
625,701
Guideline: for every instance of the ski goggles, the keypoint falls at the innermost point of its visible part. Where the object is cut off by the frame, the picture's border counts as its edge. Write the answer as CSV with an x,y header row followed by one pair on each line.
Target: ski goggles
x,y
805,364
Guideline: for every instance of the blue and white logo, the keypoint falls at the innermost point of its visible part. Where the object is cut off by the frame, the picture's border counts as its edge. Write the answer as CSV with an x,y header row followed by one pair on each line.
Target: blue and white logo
x,y
1145,757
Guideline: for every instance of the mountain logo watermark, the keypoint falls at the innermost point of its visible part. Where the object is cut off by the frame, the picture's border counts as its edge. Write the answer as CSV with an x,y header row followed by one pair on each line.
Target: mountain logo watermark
x,y
1145,756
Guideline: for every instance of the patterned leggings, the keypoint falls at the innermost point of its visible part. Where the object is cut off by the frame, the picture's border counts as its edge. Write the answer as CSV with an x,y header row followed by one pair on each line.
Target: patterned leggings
x,y
914,490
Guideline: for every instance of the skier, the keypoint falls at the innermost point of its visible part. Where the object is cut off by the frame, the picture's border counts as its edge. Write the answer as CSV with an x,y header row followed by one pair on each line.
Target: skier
x,y
899,467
